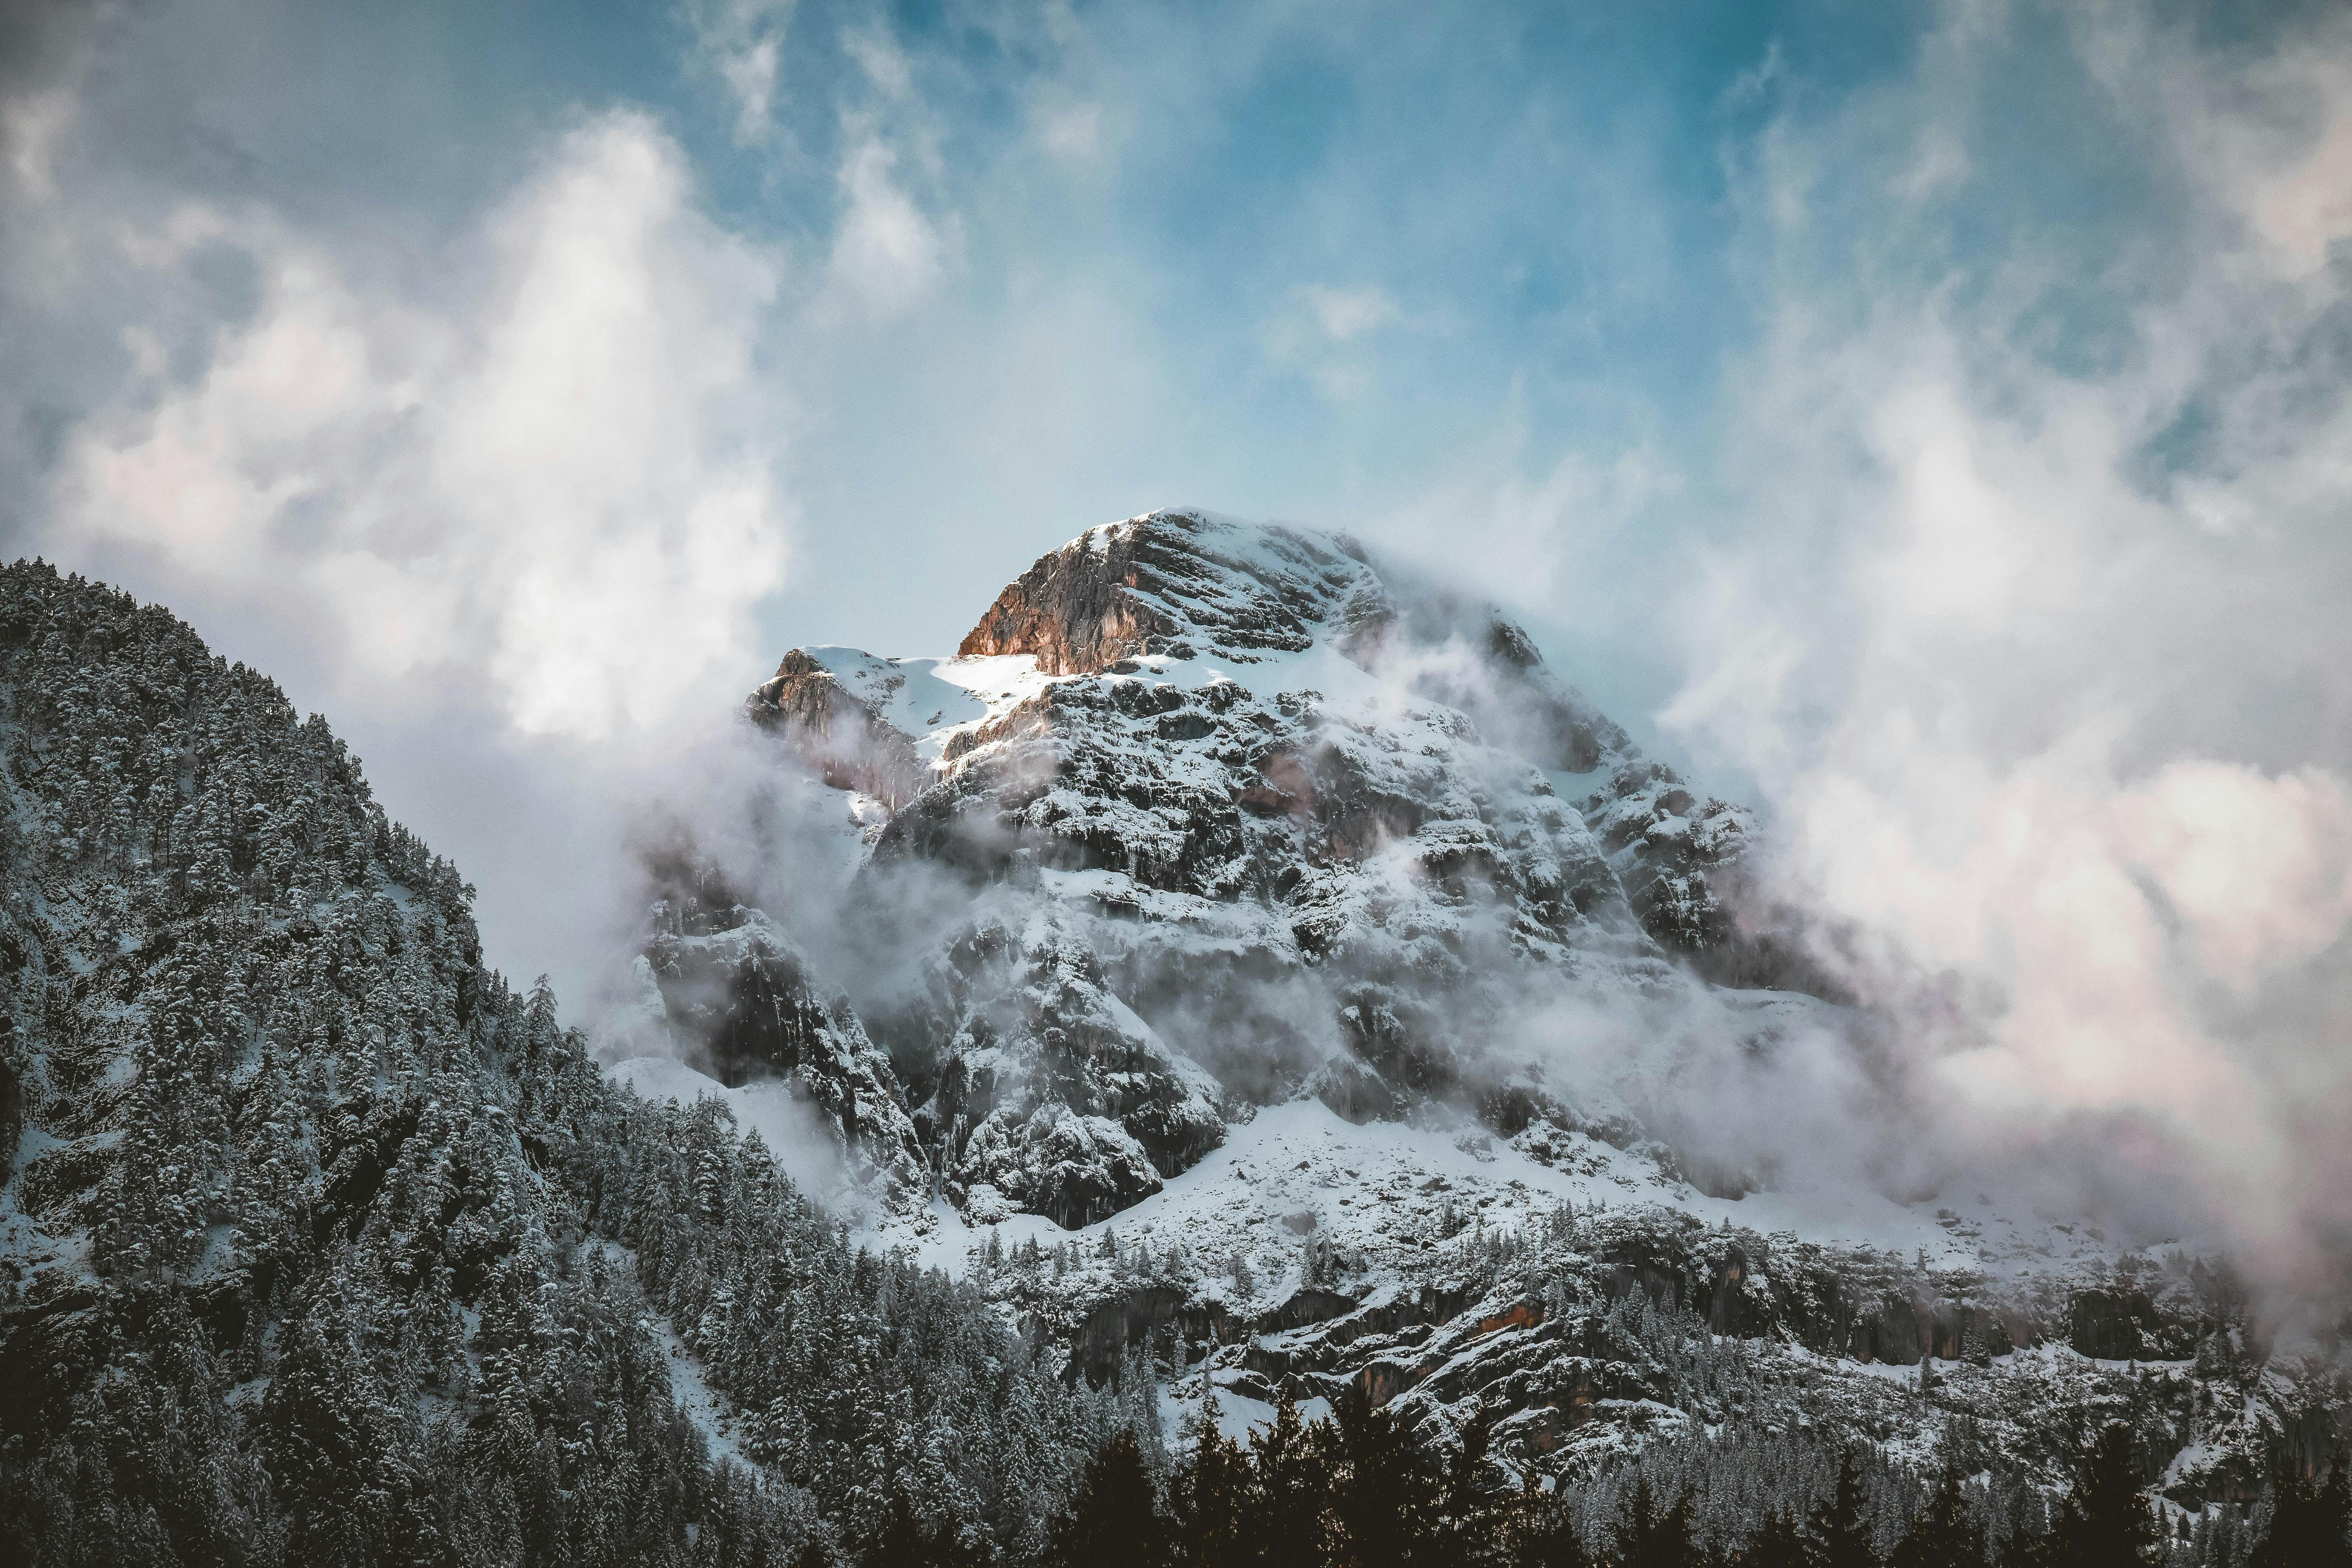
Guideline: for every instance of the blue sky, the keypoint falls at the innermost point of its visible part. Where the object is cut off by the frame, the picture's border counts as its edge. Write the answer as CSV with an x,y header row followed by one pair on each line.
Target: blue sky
x,y
1291,262
1923,422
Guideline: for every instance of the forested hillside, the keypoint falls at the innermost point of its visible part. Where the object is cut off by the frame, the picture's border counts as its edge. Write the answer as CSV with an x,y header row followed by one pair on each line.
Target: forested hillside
x,y
321,1243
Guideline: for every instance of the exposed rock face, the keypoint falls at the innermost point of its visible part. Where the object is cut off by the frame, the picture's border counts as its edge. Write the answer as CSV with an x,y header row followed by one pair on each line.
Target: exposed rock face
x,y
1074,612
1077,778
1664,842
1050,1090
1188,585
1073,1169
2128,1325
1175,583
742,1000
1305,837
835,733
1678,855
1567,732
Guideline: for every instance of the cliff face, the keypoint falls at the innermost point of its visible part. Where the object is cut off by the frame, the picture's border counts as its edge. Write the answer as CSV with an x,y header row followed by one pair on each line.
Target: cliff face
x,y
1074,612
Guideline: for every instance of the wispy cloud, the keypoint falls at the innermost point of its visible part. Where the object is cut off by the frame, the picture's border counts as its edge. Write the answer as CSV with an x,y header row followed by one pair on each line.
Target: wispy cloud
x,y
888,253
1324,334
1347,313
741,44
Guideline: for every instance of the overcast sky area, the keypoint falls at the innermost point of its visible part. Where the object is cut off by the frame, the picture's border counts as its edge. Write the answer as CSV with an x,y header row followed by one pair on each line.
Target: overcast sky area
x,y
1927,422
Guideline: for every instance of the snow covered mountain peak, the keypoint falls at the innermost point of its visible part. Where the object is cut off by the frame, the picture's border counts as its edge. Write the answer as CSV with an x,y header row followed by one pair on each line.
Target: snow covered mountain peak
x,y
1316,825
1189,599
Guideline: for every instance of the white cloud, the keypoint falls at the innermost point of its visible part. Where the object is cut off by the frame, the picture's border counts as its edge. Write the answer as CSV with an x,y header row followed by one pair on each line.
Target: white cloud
x,y
896,239
742,42
555,481
2268,142
1070,130
2042,702
1348,313
1538,538
31,126
2258,869
45,55
885,65
1324,334
887,256
1940,162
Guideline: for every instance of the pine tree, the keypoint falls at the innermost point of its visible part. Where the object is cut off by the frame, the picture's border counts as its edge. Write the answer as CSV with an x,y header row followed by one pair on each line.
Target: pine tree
x,y
2227,1543
1653,1537
2029,1542
2107,1524
1210,1494
325,1438
899,1543
1114,1521
1778,1544
1943,1535
1384,1499
2288,1536
1285,1512
1471,1529
2308,1524
1543,1531
2332,1544
1841,1535
952,1548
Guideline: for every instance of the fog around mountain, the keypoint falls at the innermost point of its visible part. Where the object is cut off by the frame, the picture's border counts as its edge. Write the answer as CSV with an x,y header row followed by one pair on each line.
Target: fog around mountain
x,y
1761,589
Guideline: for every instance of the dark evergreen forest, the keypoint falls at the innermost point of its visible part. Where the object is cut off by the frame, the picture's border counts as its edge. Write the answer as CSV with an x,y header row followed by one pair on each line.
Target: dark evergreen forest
x,y
323,1242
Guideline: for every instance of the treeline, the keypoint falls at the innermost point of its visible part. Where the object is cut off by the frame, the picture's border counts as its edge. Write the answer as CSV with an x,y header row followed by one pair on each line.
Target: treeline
x,y
1357,1492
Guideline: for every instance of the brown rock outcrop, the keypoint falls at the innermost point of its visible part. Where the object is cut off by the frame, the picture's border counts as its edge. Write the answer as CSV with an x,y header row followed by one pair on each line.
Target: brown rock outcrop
x,y
1154,583
836,734
1075,610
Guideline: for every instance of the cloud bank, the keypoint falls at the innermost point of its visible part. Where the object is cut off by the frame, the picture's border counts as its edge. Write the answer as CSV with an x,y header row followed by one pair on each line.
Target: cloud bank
x,y
551,480
2034,638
